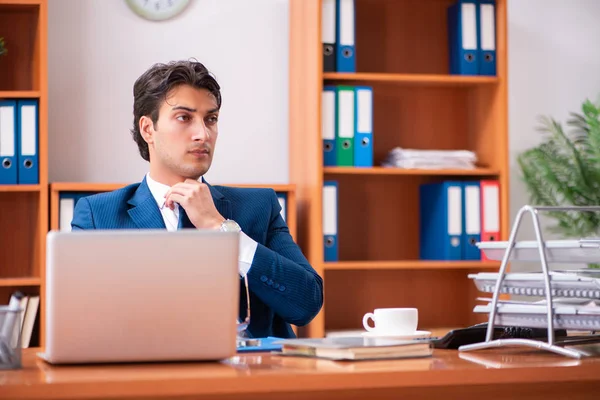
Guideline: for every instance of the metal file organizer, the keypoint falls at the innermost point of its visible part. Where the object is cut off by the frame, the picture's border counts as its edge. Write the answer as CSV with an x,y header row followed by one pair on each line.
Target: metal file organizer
x,y
573,287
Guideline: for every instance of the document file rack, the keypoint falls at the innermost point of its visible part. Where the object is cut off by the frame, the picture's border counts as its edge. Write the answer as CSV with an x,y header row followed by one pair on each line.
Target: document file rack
x,y
584,250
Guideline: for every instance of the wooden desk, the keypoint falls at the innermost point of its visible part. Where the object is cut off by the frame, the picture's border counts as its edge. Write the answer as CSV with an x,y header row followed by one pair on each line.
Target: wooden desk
x,y
493,374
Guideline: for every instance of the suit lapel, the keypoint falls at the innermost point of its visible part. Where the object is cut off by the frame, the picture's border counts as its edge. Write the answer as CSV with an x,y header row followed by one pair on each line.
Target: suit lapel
x,y
222,205
144,211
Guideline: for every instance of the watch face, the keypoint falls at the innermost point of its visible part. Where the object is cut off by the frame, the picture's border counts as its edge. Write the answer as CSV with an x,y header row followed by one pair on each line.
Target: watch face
x,y
157,10
230,226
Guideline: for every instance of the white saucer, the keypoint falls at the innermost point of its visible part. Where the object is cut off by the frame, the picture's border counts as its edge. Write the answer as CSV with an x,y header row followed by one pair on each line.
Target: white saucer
x,y
414,335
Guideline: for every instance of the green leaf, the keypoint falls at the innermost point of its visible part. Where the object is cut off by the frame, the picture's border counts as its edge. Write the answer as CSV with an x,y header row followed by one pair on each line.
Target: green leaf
x,y
564,169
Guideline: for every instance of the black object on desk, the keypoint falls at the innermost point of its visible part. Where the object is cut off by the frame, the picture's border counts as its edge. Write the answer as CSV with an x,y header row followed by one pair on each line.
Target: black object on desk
x,y
476,334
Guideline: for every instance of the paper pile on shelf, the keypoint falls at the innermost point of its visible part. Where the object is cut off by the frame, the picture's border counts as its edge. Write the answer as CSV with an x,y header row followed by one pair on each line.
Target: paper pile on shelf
x,y
429,159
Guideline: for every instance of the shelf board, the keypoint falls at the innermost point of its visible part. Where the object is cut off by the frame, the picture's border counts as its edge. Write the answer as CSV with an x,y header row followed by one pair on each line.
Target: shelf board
x,y
20,94
20,188
20,2
278,187
410,265
85,186
413,79
8,282
401,171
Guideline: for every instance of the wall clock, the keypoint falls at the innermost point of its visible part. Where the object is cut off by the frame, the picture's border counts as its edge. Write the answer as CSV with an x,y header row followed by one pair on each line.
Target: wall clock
x,y
157,10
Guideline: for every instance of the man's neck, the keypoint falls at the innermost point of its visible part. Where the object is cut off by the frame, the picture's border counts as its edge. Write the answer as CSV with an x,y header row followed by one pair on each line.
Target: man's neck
x,y
166,178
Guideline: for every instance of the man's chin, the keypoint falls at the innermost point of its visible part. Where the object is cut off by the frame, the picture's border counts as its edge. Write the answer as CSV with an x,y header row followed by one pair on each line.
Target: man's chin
x,y
195,173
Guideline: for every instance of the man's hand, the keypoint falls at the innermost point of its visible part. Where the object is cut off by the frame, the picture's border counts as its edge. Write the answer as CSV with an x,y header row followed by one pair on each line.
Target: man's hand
x,y
195,198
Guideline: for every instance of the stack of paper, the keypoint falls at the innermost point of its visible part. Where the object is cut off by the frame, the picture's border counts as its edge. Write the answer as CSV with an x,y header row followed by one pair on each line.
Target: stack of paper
x,y
575,299
430,159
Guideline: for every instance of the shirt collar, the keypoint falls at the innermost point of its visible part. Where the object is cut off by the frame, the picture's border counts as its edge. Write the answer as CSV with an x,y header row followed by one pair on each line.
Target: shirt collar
x,y
158,190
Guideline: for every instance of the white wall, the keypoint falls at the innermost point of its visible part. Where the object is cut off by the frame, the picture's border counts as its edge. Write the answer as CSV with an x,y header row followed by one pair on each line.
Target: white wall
x,y
554,66
97,48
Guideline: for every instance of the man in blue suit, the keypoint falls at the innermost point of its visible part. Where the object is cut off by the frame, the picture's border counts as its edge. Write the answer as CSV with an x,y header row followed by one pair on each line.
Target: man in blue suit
x,y
176,109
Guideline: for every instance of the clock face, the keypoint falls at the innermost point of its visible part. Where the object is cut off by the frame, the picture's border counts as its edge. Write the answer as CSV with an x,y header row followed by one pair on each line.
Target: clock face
x,y
157,10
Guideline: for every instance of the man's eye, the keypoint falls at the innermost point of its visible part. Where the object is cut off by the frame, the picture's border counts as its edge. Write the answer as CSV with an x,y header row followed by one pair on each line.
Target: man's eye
x,y
183,118
213,119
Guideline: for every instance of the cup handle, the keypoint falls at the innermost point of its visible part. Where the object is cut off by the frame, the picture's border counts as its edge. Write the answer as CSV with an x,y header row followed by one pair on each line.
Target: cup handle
x,y
366,321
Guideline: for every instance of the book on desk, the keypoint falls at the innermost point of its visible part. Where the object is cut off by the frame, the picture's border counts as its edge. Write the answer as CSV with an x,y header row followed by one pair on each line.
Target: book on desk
x,y
355,348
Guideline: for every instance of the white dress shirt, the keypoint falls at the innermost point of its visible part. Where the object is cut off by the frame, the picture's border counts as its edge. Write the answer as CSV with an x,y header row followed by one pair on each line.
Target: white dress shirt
x,y
171,218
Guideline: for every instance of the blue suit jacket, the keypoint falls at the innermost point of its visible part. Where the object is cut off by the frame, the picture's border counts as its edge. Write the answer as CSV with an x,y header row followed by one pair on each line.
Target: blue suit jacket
x,y
284,288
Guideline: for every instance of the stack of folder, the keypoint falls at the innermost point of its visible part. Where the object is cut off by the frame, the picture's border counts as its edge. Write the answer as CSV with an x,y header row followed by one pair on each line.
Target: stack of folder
x,y
347,126
455,216
338,35
430,159
19,137
472,37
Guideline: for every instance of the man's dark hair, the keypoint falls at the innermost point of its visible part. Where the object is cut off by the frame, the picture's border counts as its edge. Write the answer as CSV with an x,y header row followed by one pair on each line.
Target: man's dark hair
x,y
151,89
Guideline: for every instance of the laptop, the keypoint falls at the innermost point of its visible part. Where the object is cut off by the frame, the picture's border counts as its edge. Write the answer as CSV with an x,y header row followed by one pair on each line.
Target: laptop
x,y
141,296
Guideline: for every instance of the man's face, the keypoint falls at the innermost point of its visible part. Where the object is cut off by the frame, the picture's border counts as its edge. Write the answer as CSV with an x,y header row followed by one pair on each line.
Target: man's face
x,y
183,140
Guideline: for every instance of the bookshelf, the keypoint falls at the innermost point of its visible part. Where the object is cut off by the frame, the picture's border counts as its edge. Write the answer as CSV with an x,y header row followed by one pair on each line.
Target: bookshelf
x,y
24,207
402,53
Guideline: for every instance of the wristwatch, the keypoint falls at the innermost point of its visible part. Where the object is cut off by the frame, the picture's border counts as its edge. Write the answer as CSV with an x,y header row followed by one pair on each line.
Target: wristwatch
x,y
230,225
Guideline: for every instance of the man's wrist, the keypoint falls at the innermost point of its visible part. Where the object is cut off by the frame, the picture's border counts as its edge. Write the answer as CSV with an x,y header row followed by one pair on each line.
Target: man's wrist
x,y
219,223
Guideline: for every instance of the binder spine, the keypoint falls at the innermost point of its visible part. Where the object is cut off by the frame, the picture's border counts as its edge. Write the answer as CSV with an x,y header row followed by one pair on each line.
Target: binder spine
x,y
345,36
328,34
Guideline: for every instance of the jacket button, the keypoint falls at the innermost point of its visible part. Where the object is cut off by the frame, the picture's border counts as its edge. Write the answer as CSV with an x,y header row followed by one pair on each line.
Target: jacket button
x,y
276,285
263,278
270,283
281,288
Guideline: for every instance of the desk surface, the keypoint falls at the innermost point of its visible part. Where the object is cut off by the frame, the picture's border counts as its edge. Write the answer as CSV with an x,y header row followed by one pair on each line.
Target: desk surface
x,y
497,373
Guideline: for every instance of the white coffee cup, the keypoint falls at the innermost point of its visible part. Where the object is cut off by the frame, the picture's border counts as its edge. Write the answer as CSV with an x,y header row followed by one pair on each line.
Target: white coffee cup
x,y
392,321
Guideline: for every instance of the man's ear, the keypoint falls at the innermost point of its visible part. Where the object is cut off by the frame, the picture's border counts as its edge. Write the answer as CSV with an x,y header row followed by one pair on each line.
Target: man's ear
x,y
147,129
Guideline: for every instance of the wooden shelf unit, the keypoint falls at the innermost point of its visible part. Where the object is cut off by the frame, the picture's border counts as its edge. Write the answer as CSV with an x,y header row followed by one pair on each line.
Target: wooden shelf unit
x,y
24,208
56,188
402,53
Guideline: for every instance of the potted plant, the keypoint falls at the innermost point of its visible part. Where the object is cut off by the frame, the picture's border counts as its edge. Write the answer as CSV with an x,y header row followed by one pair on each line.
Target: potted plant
x,y
564,170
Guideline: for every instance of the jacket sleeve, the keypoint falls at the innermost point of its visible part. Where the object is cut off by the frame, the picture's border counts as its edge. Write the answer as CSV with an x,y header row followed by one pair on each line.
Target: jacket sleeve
x,y
282,277
82,216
